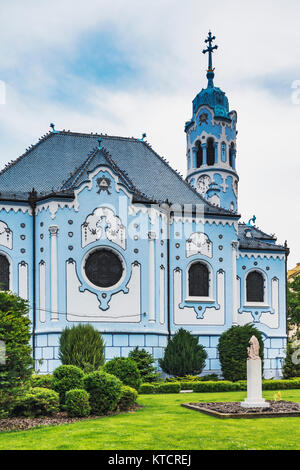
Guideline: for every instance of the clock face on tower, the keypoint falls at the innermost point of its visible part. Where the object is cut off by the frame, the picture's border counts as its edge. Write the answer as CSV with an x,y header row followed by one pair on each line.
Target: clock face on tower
x,y
203,183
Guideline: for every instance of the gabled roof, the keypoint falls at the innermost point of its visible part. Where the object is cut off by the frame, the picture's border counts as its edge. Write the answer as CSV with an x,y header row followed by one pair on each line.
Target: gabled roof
x,y
60,161
252,238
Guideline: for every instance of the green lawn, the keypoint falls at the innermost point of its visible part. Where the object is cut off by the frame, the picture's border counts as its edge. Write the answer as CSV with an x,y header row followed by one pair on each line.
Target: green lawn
x,y
164,425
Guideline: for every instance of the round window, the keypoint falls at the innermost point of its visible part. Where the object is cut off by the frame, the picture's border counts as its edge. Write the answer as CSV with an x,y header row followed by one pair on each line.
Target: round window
x,y
103,268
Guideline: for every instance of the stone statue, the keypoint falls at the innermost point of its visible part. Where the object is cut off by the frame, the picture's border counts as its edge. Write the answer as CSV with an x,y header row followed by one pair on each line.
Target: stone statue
x,y
253,350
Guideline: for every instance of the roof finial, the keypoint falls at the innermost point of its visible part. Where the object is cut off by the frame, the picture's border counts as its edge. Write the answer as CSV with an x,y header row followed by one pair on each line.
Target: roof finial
x,y
144,135
99,143
210,49
53,128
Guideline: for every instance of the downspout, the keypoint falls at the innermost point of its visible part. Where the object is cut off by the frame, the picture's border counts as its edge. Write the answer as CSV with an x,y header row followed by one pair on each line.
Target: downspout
x,y
168,270
287,252
32,202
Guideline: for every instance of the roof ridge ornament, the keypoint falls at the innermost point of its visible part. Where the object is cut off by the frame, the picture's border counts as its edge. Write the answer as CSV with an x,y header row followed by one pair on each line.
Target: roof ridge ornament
x,y
210,49
53,128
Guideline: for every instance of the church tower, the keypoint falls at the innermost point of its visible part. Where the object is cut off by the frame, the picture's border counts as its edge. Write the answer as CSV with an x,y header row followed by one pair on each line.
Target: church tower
x,y
211,143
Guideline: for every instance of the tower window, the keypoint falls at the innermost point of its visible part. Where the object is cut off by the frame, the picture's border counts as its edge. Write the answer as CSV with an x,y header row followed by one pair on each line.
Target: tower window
x,y
198,277
231,153
199,155
210,152
4,273
255,287
223,152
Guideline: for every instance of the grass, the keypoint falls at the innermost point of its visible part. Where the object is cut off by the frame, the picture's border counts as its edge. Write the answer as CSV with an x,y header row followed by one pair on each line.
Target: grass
x,y
164,425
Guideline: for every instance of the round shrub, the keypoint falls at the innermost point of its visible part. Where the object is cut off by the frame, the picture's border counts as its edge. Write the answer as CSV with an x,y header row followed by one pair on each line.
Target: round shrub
x,y
128,398
183,355
77,403
82,346
41,381
37,402
105,391
126,370
232,347
67,378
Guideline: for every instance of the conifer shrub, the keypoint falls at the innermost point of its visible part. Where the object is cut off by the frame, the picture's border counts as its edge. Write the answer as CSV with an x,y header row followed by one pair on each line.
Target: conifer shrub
x,y
105,391
82,346
291,365
183,355
41,381
233,355
128,398
144,362
126,370
16,364
77,403
65,378
36,402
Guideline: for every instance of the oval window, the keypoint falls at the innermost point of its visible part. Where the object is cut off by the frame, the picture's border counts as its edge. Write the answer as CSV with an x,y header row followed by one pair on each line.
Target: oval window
x,y
103,268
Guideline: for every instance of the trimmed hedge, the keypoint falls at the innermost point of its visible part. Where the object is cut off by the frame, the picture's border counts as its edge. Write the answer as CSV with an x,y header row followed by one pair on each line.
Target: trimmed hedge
x,y
171,387
77,403
147,389
65,378
281,384
128,398
105,391
224,386
41,381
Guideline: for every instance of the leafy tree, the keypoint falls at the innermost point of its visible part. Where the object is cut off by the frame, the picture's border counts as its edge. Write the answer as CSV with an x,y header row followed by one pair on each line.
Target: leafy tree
x,y
293,302
82,346
144,362
183,355
16,365
233,354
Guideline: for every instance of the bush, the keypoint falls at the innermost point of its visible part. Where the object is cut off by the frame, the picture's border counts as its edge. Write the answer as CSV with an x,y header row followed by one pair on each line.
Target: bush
x,y
15,335
147,389
281,384
193,378
233,353
126,370
290,367
172,387
186,385
221,386
105,391
41,381
77,403
67,378
128,398
183,355
82,346
37,402
144,362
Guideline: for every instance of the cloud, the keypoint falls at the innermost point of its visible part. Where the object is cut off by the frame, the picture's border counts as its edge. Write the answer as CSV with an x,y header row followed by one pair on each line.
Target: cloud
x,y
128,67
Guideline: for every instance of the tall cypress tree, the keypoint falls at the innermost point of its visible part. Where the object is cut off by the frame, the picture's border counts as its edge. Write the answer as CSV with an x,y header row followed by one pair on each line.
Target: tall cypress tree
x,y
183,355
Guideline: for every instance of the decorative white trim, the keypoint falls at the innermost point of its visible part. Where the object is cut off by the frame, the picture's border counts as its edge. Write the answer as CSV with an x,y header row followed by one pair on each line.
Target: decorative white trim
x,y
23,280
91,229
54,273
6,235
15,208
53,206
199,243
268,319
151,281
42,285
235,300
162,295
260,255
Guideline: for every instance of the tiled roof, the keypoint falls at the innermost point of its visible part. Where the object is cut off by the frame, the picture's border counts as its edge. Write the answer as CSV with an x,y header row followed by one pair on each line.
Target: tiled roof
x,y
256,239
60,161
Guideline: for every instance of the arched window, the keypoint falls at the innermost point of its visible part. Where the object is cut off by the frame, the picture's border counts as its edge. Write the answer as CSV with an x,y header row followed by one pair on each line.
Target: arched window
x,y
4,273
255,287
198,280
210,152
231,153
199,155
223,152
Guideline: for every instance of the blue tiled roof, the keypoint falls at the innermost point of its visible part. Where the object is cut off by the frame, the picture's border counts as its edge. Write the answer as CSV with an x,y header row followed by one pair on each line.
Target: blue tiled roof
x,y
256,239
61,161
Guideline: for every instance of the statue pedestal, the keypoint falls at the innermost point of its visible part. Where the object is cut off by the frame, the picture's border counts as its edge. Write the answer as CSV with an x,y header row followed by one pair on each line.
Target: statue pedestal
x,y
254,386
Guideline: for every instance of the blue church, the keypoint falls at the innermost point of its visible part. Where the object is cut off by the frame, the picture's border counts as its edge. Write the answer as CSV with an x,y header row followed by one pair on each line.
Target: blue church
x,y
100,229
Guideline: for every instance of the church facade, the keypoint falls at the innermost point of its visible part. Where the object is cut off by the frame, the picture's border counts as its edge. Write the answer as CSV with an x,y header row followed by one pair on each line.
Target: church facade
x,y
100,229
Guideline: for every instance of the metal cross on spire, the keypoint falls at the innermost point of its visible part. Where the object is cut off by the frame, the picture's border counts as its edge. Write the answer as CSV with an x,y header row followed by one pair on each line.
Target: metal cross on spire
x,y
210,49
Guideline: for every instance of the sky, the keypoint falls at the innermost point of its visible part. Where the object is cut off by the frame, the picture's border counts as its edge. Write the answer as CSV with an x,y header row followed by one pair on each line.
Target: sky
x,y
132,66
